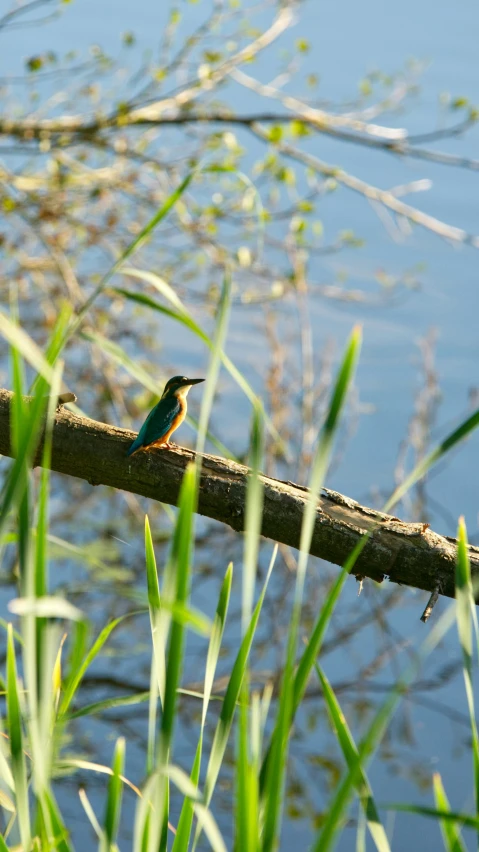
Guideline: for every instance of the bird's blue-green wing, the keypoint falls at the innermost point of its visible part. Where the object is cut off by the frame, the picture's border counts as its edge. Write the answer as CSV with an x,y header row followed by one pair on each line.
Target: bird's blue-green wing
x,y
157,424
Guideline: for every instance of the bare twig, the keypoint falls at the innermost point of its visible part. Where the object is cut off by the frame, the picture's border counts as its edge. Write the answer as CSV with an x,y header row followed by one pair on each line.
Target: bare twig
x,y
430,604
373,193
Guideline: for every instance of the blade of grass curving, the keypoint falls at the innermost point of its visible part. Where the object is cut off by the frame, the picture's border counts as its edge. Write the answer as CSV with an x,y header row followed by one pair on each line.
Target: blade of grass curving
x,y
161,214
55,343
185,822
467,820
335,812
98,707
451,834
92,819
274,776
181,780
19,771
118,354
350,753
182,316
188,617
115,791
50,606
232,694
154,605
455,437
77,672
19,339
465,610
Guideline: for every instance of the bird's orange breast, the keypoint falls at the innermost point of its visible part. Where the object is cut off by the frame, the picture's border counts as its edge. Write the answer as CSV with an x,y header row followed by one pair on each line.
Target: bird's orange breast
x,y
178,420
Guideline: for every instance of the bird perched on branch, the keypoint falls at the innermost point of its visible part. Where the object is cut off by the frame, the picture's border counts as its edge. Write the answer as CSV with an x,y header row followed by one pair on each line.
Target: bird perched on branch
x,y
165,417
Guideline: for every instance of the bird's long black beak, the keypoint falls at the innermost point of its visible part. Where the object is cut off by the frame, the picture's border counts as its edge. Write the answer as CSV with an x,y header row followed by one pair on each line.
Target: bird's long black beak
x,y
194,381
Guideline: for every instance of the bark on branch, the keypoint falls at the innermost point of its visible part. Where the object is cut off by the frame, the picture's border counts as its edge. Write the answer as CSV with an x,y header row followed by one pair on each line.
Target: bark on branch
x,y
405,553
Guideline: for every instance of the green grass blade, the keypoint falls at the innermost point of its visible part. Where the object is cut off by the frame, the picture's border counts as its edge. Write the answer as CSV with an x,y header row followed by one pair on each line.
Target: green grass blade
x,y
185,822
19,422
451,834
154,606
247,811
115,790
40,583
171,634
350,753
247,823
181,780
335,812
152,697
232,694
465,607
55,343
120,357
25,443
19,771
54,833
19,339
78,671
455,437
182,560
253,517
98,707
216,637
467,820
50,606
159,216
274,773
217,346
92,818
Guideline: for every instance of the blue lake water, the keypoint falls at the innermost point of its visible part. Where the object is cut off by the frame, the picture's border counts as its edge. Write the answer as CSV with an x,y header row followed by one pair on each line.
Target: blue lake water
x,y
347,40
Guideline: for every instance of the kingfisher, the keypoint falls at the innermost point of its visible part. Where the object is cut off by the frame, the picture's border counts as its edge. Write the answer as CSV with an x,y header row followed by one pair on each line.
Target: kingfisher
x,y
165,417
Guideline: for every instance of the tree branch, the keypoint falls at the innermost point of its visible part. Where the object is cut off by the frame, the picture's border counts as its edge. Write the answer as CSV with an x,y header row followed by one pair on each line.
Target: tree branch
x,y
81,129
408,554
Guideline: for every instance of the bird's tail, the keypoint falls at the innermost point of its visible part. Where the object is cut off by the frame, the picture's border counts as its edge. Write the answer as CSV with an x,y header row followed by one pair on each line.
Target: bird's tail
x,y
136,445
